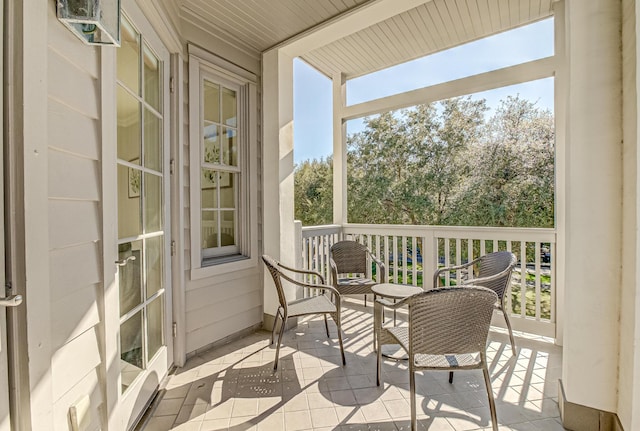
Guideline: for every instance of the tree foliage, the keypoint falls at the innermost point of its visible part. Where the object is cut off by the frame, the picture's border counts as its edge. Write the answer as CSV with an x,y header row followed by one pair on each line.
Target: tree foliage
x,y
445,163
313,188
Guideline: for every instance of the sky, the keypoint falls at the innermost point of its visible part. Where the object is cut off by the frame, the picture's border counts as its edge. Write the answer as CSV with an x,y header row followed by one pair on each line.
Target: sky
x,y
312,90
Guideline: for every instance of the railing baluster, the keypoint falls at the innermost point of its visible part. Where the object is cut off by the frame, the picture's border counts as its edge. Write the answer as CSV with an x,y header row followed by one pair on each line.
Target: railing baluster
x,y
416,262
537,280
447,262
523,279
404,260
458,260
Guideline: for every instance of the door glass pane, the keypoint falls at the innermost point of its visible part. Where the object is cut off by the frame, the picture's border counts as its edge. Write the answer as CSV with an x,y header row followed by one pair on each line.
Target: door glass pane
x,y
152,203
212,144
152,141
154,252
151,79
209,229
129,208
131,349
155,326
128,57
211,102
130,275
128,127
229,148
227,228
229,107
209,191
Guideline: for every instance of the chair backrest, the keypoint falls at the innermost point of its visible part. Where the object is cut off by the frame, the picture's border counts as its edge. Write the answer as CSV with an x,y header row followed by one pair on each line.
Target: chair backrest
x,y
350,257
495,263
273,265
450,320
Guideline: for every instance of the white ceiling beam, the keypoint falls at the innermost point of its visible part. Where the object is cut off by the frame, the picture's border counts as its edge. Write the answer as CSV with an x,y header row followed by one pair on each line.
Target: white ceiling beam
x,y
530,71
343,25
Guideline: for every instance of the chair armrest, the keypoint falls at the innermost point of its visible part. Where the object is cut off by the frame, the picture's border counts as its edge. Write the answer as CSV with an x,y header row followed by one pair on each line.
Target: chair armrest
x,y
304,271
311,285
334,271
383,272
475,281
436,275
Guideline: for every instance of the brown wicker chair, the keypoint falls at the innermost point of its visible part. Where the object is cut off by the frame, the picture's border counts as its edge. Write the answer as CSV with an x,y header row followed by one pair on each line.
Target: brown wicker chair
x,y
351,269
448,330
319,304
492,271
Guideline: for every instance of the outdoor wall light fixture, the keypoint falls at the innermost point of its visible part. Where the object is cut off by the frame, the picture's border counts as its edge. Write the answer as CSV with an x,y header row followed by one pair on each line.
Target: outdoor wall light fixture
x,y
95,22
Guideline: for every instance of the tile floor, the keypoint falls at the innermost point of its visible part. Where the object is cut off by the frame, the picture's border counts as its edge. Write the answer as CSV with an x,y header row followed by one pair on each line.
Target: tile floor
x,y
233,387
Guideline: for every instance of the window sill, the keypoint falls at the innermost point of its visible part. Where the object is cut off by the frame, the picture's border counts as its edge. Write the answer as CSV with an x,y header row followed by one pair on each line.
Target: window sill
x,y
214,266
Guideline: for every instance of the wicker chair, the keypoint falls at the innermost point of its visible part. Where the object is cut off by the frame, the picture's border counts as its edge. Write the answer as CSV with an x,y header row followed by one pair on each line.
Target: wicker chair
x,y
493,271
448,330
351,269
319,304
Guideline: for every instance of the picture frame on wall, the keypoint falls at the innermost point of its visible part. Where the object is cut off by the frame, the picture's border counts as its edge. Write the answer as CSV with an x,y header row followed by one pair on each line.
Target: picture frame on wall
x,y
135,180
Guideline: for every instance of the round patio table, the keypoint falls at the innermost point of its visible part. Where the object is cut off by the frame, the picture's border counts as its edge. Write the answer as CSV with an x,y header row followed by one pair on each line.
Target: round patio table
x,y
394,291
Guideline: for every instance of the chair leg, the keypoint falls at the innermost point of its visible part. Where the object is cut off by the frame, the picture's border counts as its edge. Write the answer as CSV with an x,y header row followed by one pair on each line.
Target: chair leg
x,y
284,324
336,318
275,325
492,403
326,325
450,376
412,391
511,339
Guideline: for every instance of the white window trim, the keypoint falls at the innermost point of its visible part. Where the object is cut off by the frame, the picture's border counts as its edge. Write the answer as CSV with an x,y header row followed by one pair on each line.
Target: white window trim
x,y
204,63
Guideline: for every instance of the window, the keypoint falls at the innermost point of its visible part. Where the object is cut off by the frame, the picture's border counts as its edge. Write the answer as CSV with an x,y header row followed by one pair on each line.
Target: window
x,y
222,117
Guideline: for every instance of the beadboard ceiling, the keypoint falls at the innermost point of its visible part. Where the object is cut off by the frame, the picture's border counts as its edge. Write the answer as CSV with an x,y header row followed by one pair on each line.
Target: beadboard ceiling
x,y
257,25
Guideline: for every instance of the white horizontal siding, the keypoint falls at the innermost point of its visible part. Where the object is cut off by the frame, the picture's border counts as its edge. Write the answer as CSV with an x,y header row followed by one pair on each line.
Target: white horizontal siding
x,y
72,131
75,224
73,361
214,307
232,325
74,314
72,177
66,276
89,385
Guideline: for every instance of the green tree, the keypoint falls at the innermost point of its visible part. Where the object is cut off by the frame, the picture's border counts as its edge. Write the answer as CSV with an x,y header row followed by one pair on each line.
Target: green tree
x,y
313,192
405,166
511,176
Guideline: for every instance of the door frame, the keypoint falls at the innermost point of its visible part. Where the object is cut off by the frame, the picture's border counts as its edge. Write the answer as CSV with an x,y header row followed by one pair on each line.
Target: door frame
x,y
26,243
125,406
5,408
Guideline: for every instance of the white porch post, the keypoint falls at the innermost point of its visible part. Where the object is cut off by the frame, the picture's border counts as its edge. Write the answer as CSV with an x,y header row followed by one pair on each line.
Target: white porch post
x,y
592,225
629,366
277,162
339,151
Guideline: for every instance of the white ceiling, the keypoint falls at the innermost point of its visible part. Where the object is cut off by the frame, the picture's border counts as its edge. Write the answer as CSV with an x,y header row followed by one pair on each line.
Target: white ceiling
x,y
257,25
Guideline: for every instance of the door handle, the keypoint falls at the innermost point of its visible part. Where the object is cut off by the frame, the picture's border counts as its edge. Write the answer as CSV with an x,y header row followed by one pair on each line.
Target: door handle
x,y
123,262
11,301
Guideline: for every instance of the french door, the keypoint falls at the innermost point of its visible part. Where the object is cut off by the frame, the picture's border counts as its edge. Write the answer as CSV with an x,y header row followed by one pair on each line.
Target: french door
x,y
142,216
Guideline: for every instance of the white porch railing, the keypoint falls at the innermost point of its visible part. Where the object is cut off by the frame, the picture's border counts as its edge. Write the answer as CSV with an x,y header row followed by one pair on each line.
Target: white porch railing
x,y
411,255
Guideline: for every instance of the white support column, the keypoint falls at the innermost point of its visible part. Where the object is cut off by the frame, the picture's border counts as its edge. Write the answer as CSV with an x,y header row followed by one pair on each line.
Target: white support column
x,y
560,102
277,164
339,151
593,224
629,367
